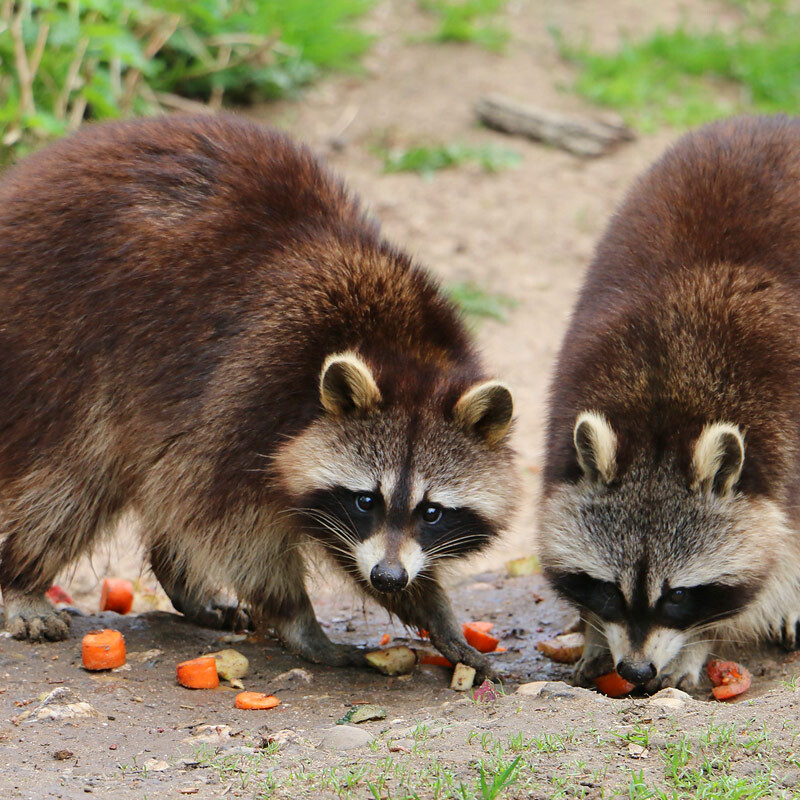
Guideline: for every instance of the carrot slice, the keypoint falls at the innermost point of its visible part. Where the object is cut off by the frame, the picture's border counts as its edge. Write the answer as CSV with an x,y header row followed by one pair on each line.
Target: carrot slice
x,y
198,673
255,700
612,684
437,661
103,649
116,595
422,633
480,640
729,678
385,639
479,625
55,594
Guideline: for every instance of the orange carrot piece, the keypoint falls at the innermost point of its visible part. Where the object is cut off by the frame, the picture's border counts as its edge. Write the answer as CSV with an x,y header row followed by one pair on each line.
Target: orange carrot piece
x,y
483,627
198,673
500,650
385,639
55,594
255,700
612,684
729,678
480,640
437,661
116,595
103,649
422,633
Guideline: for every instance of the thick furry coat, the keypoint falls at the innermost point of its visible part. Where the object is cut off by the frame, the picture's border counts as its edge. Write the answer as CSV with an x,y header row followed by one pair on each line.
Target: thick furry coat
x,y
172,293
671,477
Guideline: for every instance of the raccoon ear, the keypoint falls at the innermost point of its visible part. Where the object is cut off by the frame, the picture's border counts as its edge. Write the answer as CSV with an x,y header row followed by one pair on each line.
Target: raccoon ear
x,y
486,409
346,385
718,458
596,446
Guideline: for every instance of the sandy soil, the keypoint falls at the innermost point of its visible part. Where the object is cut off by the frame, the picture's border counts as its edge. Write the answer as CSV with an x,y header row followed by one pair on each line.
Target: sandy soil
x,y
527,232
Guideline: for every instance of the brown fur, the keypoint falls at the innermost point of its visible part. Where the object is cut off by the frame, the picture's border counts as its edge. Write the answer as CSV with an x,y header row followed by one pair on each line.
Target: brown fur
x,y
690,315
169,291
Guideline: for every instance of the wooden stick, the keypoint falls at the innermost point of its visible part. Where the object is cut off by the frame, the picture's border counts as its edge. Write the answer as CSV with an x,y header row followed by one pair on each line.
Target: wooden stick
x,y
582,136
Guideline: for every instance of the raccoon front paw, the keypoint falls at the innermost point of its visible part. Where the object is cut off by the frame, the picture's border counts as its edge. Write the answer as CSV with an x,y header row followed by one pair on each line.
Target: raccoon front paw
x,y
337,655
222,616
591,665
683,672
457,651
788,635
35,619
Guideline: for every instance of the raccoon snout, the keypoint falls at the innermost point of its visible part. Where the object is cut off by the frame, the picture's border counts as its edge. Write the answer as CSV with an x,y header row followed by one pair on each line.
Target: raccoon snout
x,y
388,577
637,672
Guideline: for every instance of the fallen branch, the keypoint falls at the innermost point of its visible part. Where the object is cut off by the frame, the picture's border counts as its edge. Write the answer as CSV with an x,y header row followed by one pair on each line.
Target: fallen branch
x,y
579,135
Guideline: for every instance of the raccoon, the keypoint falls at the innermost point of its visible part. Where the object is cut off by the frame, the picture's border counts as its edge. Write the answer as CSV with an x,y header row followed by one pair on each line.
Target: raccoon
x,y
201,328
669,510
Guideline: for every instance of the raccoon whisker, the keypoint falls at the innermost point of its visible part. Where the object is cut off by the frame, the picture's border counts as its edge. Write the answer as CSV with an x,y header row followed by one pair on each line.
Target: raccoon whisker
x,y
329,522
440,549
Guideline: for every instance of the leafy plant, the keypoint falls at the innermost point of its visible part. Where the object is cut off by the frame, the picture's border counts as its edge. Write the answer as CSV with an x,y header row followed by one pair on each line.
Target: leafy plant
x,y
686,77
427,159
63,61
463,21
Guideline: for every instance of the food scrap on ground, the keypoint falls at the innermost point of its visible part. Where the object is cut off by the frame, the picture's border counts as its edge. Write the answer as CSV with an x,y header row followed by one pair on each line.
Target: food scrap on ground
x,y
567,648
55,594
728,679
393,661
255,701
198,673
486,692
612,684
519,567
231,664
463,678
103,650
362,713
477,634
116,595
385,639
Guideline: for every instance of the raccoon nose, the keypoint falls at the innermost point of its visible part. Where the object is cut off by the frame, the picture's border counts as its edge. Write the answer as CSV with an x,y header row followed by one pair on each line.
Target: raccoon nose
x,y
638,672
388,577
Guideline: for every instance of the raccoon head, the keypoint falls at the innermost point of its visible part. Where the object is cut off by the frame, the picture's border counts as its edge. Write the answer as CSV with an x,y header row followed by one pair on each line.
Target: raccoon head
x,y
652,556
393,489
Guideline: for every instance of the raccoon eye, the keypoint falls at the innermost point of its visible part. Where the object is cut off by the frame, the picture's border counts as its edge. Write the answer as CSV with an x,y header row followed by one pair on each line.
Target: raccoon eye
x,y
677,597
431,514
365,503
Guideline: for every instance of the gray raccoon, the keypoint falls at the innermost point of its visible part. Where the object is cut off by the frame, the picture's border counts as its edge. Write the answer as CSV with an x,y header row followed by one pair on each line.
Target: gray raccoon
x,y
200,326
669,512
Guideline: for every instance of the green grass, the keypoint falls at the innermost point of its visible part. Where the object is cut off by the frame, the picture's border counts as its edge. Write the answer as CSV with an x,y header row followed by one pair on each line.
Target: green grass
x,y
475,302
63,61
468,21
684,77
428,159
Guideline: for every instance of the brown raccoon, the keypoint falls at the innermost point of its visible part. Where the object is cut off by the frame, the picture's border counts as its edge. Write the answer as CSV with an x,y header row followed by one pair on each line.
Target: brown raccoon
x,y
670,502
201,327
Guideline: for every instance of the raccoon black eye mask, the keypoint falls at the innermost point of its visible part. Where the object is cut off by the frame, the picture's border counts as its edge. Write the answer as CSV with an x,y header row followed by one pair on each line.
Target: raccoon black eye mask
x,y
679,608
439,532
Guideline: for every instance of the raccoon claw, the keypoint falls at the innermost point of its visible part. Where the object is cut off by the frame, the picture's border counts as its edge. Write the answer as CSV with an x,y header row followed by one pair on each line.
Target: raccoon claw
x,y
588,668
222,617
789,638
460,652
36,620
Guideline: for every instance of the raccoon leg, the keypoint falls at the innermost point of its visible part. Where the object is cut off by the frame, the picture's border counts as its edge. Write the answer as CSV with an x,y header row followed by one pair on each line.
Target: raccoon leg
x,y
596,659
429,607
214,613
296,625
788,634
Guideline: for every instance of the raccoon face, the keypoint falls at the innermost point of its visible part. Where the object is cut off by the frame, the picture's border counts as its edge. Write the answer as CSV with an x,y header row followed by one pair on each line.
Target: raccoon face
x,y
391,491
654,558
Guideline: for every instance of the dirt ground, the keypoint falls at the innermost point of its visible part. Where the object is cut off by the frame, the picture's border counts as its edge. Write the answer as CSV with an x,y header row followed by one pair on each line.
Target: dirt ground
x,y
527,232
